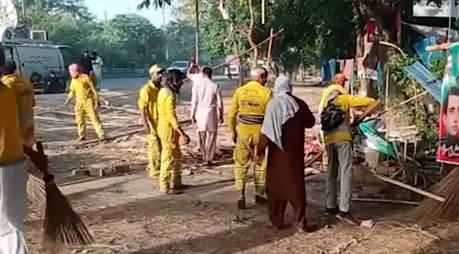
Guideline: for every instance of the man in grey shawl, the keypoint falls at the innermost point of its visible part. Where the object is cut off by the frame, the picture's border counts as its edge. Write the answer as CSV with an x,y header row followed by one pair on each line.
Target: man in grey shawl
x,y
283,134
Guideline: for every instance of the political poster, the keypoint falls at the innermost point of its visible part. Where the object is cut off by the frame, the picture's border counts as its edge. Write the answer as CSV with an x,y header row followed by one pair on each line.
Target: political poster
x,y
448,151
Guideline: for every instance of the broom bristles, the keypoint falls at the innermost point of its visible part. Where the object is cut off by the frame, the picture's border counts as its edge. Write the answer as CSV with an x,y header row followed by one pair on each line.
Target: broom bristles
x,y
448,188
62,225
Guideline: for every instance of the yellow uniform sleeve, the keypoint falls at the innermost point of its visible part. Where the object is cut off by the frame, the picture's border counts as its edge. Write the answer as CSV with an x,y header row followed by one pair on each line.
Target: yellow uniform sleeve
x,y
170,112
233,111
359,101
143,100
71,91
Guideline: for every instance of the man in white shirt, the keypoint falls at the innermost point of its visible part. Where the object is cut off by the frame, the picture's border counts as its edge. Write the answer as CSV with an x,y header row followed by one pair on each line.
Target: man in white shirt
x,y
207,113
97,64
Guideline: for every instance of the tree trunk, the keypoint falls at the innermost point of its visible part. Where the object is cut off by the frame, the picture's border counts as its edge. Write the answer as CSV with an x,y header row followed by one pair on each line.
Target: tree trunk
x,y
249,35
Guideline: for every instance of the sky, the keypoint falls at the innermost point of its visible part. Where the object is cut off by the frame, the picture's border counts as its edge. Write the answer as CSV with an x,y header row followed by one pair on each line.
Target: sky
x,y
112,8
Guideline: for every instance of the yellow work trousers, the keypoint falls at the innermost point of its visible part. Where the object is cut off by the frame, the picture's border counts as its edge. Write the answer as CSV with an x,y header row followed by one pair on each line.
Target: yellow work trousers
x,y
85,109
248,138
153,154
170,174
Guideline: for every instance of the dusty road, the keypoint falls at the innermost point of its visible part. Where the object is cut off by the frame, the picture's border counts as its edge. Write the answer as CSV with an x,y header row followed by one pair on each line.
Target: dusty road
x,y
127,214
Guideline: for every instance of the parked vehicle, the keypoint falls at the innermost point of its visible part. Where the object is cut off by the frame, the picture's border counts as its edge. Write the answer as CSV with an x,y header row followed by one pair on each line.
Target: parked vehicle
x,y
179,65
43,64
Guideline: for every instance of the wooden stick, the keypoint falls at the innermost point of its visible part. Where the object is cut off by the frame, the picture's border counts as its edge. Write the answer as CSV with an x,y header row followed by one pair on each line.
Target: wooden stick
x,y
136,131
313,159
411,188
249,50
56,112
112,137
390,201
270,46
127,110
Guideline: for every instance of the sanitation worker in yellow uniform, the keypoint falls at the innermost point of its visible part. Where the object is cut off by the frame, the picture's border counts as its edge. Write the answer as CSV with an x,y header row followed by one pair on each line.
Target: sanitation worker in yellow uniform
x,y
25,100
169,132
248,110
86,101
13,172
147,103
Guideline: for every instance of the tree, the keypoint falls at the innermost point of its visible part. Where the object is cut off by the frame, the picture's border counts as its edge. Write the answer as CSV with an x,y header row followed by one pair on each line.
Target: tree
x,y
155,3
133,39
314,30
75,8
180,40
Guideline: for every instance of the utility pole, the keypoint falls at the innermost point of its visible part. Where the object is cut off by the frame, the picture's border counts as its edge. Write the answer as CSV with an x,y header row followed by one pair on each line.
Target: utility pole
x,y
23,10
165,32
196,5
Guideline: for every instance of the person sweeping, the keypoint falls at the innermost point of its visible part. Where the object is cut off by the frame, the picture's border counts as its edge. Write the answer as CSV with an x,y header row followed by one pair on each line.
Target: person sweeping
x,y
13,174
86,102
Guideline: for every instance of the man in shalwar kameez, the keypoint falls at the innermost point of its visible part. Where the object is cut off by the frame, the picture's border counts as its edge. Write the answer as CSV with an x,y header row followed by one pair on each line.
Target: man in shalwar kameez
x,y
207,112
283,134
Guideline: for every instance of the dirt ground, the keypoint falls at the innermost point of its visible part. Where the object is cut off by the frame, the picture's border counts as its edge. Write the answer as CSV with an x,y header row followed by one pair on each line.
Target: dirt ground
x,y
126,213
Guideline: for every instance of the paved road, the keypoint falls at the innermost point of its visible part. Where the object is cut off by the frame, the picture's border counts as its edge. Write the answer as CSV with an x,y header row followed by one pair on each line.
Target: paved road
x,y
133,84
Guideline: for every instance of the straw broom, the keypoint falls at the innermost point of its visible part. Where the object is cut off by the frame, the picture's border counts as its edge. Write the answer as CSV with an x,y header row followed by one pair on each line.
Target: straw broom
x,y
61,224
448,188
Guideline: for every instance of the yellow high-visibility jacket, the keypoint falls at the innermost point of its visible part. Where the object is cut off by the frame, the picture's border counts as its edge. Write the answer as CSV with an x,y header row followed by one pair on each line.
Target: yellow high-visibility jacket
x,y
148,99
166,109
346,102
249,103
10,136
82,88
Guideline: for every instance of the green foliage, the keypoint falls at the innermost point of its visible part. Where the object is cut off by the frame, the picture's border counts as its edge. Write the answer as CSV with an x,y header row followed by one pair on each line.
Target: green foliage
x,y
132,39
315,30
155,3
418,113
180,38
74,8
124,41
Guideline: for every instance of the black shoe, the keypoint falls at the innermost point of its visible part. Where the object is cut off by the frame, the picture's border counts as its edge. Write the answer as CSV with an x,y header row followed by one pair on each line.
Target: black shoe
x,y
183,187
241,204
259,200
332,211
174,192
348,218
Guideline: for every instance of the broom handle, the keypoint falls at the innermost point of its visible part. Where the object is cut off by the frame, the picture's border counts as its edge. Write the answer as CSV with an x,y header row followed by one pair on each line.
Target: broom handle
x,y
47,176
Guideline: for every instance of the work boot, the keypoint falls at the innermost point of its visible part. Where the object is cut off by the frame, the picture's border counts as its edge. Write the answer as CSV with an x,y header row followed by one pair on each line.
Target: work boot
x,y
332,211
260,200
182,187
241,202
174,192
348,218
307,228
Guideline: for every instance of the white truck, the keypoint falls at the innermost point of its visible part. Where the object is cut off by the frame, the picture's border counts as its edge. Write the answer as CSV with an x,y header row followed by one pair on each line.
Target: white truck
x,y
35,57
42,63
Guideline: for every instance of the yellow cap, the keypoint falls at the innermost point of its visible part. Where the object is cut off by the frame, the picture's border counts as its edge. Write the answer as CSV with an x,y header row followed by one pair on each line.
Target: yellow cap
x,y
155,69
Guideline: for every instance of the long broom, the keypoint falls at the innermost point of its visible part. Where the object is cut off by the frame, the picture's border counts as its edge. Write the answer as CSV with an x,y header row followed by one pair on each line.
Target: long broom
x,y
62,225
448,188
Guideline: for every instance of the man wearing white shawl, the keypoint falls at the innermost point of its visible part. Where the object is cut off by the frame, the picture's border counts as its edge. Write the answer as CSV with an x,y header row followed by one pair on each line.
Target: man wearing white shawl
x,y
283,134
